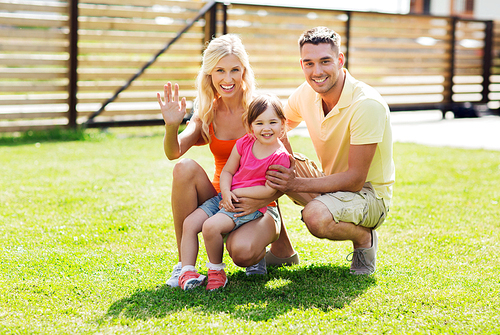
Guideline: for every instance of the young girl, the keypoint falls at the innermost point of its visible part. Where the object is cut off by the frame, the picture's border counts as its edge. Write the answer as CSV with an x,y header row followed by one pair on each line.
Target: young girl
x,y
242,176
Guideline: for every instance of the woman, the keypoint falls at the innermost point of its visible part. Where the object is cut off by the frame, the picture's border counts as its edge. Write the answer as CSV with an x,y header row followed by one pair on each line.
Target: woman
x,y
225,87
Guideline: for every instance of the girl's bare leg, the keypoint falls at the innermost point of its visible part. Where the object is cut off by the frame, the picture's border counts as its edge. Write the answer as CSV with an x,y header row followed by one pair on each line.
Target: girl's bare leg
x,y
190,188
247,244
190,244
213,229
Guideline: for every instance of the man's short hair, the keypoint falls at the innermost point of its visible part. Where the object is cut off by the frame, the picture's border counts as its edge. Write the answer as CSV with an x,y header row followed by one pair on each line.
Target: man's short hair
x,y
320,35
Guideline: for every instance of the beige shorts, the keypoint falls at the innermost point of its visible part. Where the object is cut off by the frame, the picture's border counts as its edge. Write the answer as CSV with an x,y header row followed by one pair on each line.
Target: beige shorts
x,y
361,208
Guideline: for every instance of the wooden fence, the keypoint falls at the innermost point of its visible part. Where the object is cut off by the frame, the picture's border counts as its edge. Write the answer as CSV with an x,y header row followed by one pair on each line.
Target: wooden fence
x,y
56,70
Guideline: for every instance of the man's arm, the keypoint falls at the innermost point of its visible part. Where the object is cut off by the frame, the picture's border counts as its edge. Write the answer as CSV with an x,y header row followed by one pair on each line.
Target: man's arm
x,y
360,158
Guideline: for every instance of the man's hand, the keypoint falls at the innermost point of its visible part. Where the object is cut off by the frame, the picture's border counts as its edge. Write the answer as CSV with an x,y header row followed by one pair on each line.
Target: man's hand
x,y
281,178
247,206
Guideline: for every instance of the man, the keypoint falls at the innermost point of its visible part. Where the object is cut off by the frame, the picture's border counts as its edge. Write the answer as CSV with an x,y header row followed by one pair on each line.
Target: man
x,y
349,125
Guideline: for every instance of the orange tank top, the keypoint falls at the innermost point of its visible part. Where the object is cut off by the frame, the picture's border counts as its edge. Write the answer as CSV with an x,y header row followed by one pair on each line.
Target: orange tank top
x,y
221,149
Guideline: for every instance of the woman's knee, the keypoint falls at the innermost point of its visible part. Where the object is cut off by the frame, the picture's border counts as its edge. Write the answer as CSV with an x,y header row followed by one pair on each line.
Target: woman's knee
x,y
317,218
242,254
185,169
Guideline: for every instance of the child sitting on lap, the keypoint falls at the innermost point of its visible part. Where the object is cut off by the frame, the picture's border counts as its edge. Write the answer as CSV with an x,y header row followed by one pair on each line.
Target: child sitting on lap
x,y
242,176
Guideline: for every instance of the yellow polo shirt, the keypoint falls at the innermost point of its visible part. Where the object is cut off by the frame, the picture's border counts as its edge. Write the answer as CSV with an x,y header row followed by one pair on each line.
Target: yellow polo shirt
x,y
360,117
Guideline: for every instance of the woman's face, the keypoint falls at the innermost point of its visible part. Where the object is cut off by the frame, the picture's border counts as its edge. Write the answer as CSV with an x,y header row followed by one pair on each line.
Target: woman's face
x,y
227,76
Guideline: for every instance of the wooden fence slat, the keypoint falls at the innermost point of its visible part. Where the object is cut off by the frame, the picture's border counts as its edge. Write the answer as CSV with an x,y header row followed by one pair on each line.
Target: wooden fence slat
x,y
132,12
289,11
282,32
32,76
135,64
16,60
117,36
360,73
397,34
32,21
99,86
124,112
194,5
34,115
410,62
124,76
422,25
284,20
31,101
110,49
128,25
33,6
34,48
32,34
27,86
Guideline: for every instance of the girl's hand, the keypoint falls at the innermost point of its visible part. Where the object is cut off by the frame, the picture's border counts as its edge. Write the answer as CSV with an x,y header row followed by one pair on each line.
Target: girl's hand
x,y
172,110
227,201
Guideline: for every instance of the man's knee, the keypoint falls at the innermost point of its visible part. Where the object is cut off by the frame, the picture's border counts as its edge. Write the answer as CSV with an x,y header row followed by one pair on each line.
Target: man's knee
x,y
318,219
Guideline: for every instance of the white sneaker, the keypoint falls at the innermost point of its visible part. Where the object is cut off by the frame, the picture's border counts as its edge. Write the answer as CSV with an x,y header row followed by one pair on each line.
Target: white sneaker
x,y
173,281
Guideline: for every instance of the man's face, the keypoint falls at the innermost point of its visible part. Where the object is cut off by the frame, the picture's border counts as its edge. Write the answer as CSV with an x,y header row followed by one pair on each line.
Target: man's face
x,y
321,65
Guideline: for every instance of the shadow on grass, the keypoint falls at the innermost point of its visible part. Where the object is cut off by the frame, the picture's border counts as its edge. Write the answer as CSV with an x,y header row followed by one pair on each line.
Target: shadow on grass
x,y
257,298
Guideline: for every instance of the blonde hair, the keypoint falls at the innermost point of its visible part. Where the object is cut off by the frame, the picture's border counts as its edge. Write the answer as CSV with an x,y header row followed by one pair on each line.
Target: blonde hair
x,y
218,48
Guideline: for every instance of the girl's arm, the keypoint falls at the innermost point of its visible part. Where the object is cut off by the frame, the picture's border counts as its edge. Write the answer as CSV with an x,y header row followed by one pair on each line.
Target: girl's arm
x,y
255,192
261,191
226,178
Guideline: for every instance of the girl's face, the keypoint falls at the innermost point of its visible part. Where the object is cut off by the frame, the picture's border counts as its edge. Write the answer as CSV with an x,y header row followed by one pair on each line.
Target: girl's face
x,y
227,76
267,127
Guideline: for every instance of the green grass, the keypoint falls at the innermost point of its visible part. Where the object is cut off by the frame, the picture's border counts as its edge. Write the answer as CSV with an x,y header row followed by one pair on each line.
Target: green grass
x,y
86,243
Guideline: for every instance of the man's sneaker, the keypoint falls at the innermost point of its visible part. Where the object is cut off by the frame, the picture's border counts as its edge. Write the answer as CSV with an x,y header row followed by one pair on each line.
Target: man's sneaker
x,y
364,259
173,281
216,279
190,279
257,269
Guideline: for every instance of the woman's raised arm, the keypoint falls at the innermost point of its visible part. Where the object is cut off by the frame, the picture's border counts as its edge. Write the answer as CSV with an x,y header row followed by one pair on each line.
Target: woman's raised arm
x,y
173,112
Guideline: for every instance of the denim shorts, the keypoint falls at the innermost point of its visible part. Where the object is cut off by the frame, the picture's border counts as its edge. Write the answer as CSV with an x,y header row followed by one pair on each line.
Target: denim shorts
x,y
211,207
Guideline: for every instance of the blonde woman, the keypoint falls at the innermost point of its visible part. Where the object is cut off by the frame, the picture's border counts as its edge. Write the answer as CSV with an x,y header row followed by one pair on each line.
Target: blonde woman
x,y
225,87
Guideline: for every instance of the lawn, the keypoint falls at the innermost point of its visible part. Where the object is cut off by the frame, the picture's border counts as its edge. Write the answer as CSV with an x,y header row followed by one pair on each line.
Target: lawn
x,y
87,241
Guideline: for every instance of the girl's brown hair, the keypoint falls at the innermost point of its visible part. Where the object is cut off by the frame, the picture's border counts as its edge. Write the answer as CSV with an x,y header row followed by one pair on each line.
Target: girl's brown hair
x,y
259,105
